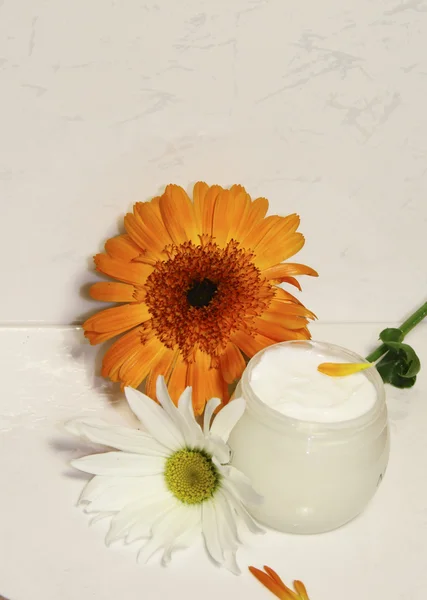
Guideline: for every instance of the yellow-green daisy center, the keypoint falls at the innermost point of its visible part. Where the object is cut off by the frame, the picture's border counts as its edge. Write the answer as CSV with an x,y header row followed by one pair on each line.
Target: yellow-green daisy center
x,y
191,476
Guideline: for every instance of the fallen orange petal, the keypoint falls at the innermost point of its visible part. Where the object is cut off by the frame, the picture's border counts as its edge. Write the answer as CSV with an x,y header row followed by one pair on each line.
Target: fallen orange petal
x,y
342,369
271,580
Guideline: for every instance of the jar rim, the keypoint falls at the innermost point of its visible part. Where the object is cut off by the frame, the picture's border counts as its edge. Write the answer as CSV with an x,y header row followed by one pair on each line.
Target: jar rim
x,y
272,417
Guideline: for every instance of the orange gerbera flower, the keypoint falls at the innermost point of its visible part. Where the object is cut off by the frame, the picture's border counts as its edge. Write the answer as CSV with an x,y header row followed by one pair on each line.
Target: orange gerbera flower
x,y
197,282
272,582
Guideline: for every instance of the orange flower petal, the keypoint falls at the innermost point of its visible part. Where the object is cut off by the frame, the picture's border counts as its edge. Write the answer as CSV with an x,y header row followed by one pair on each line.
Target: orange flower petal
x,y
271,580
288,270
141,235
197,378
342,369
292,330
98,338
149,214
254,237
221,218
279,309
163,367
251,344
278,234
199,193
178,215
254,213
271,585
276,253
178,378
110,291
216,387
239,207
286,321
122,349
119,317
207,208
281,295
232,363
117,269
137,366
122,248
301,589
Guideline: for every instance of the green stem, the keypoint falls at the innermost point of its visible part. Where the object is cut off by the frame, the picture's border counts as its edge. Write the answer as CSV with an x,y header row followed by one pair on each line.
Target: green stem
x,y
414,319
405,328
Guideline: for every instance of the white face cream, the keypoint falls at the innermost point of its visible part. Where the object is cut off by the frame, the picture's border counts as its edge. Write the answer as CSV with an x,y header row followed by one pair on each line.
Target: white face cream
x,y
315,447
286,379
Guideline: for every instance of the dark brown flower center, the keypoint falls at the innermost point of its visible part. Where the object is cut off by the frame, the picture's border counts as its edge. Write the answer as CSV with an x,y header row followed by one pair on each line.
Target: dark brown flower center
x,y
201,293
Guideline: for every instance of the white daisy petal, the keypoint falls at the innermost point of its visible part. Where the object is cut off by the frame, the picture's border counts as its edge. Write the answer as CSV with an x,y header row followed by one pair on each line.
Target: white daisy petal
x,y
240,485
189,428
167,530
185,405
241,512
120,463
101,488
118,497
227,418
228,530
210,531
155,420
135,520
210,408
218,449
230,562
187,535
185,408
122,438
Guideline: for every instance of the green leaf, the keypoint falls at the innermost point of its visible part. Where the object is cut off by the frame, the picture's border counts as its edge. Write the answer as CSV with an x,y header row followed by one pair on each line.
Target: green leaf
x,y
391,334
402,382
407,360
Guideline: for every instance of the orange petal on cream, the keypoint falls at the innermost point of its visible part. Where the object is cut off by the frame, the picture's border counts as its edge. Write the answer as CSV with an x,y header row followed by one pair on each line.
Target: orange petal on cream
x,y
239,207
127,272
208,207
110,291
290,330
271,580
119,317
254,213
288,270
137,366
141,235
343,369
122,349
279,251
200,190
279,309
149,213
123,248
278,234
221,218
232,363
259,231
301,589
178,215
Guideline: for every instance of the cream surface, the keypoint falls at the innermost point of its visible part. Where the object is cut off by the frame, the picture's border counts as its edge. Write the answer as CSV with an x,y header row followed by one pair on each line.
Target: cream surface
x,y
286,379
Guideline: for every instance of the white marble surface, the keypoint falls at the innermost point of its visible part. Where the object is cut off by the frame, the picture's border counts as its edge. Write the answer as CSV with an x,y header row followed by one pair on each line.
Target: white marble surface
x,y
320,106
49,552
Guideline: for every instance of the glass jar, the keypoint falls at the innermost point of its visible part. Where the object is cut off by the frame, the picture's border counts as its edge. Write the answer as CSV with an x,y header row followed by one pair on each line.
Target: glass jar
x,y
314,476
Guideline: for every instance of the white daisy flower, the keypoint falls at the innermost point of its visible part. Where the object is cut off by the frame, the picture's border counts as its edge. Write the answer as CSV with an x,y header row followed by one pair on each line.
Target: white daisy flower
x,y
173,481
